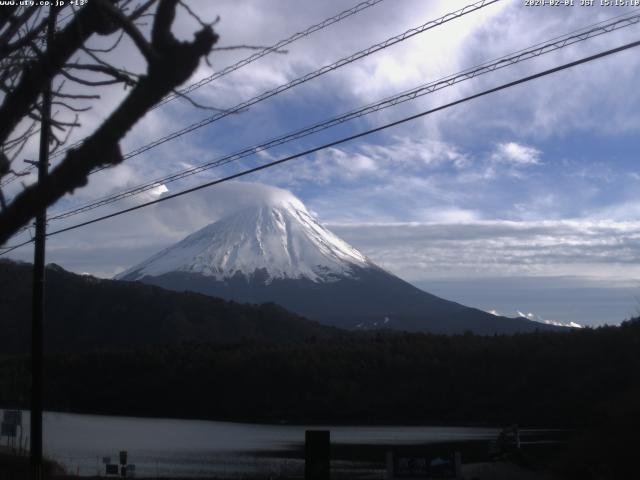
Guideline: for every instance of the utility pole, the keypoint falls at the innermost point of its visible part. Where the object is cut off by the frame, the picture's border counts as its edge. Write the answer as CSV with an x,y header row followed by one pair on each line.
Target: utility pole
x,y
37,319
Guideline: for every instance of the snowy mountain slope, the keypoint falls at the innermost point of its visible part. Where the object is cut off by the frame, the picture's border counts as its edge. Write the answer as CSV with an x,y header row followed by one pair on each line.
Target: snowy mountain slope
x,y
282,240
277,252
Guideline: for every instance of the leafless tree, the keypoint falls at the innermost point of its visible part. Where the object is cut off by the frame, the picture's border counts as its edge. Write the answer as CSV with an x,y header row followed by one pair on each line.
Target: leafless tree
x,y
79,72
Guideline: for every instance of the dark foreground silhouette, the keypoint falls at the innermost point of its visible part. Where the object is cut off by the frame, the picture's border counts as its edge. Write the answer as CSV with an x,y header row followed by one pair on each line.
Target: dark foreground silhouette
x,y
585,380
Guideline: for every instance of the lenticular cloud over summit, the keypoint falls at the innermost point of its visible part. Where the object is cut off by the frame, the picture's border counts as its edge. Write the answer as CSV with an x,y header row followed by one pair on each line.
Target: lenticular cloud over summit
x,y
232,197
270,234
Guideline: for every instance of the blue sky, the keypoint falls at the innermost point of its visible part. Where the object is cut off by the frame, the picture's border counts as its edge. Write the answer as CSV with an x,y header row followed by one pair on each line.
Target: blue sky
x,y
523,202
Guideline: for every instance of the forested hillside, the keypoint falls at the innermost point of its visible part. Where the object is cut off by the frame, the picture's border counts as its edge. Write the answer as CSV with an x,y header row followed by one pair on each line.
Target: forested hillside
x,y
549,379
84,313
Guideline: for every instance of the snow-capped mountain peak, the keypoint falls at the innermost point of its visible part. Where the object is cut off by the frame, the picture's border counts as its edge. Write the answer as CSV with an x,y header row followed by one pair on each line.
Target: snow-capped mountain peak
x,y
280,239
273,250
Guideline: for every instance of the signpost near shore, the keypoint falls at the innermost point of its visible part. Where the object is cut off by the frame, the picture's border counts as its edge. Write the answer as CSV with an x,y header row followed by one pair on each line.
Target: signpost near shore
x,y
317,454
11,420
409,464
124,469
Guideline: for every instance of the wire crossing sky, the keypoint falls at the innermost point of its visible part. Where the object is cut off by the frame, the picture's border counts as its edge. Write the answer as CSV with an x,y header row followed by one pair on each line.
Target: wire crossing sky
x,y
509,60
273,48
340,141
243,106
231,68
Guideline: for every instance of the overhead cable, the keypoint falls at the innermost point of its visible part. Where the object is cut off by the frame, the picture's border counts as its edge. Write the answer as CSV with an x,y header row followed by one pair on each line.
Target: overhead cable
x,y
303,79
506,61
344,139
273,48
231,68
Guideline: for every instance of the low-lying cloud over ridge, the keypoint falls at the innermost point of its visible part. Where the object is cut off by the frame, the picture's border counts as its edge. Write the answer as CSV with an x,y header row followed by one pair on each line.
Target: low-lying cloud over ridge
x,y
592,248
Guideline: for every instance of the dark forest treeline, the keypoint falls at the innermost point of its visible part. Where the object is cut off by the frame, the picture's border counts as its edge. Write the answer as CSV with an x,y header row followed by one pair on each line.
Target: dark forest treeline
x,y
550,379
84,313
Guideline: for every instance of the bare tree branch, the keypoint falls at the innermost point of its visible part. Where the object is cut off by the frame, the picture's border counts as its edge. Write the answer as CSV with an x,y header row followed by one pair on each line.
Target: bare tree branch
x,y
6,14
174,64
89,83
71,107
117,74
76,96
8,48
248,47
197,17
131,30
194,103
141,10
108,49
16,23
42,70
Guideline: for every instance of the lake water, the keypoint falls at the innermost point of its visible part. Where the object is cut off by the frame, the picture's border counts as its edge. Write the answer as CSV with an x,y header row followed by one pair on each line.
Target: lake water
x,y
195,448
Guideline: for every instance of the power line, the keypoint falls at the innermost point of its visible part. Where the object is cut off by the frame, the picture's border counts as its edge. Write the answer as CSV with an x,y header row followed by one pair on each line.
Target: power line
x,y
257,55
14,247
242,63
33,166
281,88
273,48
12,179
472,72
347,139
305,78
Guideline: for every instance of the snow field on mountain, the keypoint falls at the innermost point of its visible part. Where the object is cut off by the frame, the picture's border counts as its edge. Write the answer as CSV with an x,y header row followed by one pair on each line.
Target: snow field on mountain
x,y
279,237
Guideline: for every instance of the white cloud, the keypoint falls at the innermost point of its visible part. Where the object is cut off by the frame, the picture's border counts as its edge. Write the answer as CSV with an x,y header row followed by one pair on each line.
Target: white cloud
x,y
400,159
579,100
448,215
159,190
563,324
489,32
606,250
334,161
516,154
415,152
538,318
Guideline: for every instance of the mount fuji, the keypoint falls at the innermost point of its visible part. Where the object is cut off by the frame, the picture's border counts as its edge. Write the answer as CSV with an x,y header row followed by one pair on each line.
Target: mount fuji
x,y
278,252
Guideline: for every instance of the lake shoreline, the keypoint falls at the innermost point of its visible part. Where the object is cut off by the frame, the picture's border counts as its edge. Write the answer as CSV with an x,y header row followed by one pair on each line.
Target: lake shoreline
x,y
295,423
281,422
201,449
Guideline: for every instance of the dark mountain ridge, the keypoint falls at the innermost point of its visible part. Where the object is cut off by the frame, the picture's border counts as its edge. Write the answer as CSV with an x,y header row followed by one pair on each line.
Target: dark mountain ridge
x,y
85,313
370,299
